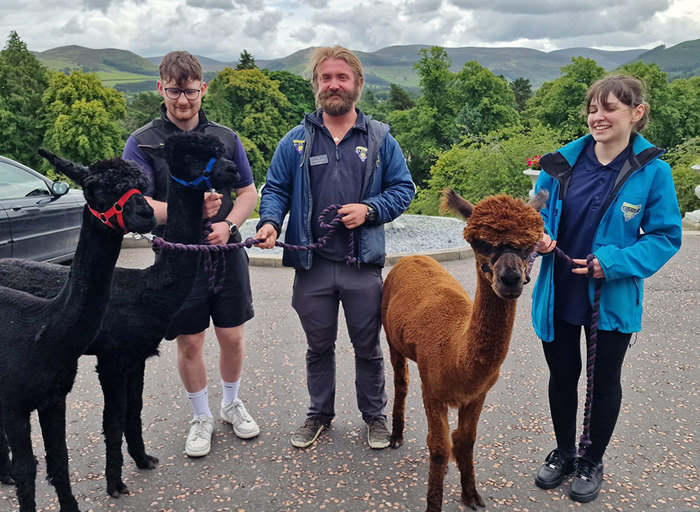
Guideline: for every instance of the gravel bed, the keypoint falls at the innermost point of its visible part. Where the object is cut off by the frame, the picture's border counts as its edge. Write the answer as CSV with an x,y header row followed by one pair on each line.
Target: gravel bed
x,y
407,234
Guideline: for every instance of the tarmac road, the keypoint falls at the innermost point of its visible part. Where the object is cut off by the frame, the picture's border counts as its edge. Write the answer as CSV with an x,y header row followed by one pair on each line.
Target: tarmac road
x,y
651,463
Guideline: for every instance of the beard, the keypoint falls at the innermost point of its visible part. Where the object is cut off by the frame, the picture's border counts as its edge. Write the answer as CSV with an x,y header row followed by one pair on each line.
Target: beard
x,y
337,103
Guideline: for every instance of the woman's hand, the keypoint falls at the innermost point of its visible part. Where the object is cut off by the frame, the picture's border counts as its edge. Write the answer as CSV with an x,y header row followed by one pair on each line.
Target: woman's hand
x,y
546,244
583,268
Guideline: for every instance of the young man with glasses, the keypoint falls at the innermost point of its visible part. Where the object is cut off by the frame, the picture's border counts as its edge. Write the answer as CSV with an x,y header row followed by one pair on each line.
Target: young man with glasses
x,y
181,85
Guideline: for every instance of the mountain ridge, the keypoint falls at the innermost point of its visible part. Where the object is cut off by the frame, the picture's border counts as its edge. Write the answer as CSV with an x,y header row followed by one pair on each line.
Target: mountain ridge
x,y
392,64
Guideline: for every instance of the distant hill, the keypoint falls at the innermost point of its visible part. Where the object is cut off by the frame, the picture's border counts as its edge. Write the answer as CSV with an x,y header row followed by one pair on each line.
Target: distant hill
x,y
394,64
679,61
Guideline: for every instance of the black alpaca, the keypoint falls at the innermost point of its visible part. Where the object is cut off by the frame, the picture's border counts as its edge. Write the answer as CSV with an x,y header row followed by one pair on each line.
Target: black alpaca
x,y
41,339
142,301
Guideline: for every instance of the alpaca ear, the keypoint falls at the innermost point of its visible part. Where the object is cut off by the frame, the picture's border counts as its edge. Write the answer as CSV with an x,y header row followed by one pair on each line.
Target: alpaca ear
x,y
539,200
453,202
74,171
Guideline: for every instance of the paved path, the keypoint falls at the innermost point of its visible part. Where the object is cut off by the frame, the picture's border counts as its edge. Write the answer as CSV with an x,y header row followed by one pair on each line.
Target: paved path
x,y
651,463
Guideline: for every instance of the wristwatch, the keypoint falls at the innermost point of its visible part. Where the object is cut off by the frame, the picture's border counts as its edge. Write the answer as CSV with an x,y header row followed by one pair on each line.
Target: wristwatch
x,y
371,214
232,228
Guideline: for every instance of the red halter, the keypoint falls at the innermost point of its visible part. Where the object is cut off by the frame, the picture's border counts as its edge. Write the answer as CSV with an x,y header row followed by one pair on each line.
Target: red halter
x,y
116,210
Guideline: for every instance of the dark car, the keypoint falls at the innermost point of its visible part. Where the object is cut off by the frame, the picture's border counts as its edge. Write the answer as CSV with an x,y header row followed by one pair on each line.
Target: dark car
x,y
39,219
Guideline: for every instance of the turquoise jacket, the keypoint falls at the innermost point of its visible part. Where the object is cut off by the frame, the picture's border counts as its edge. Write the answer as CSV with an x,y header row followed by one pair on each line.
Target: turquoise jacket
x,y
638,233
387,187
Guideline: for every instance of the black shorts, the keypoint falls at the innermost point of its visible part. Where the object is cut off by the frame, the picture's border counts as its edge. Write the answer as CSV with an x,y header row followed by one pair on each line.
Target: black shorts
x,y
229,306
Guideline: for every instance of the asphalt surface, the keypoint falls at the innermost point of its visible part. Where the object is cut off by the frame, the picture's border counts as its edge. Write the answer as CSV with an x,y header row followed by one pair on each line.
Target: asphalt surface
x,y
651,463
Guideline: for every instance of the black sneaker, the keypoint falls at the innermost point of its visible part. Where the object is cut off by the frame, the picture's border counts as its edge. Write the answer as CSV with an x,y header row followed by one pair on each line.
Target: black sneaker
x,y
556,466
587,482
307,434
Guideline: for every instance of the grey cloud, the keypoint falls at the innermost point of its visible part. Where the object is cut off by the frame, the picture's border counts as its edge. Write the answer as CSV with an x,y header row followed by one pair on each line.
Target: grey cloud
x,y
606,22
421,6
73,26
264,26
548,7
211,4
316,4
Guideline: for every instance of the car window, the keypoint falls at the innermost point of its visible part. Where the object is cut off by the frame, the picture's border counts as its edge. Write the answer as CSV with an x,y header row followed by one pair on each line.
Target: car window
x,y
16,183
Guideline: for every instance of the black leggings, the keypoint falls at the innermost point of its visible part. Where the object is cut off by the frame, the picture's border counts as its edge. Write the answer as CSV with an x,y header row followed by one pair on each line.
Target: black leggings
x,y
563,357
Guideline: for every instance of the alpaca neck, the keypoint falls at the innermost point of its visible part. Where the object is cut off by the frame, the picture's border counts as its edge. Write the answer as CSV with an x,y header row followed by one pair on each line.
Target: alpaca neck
x,y
490,326
177,269
83,299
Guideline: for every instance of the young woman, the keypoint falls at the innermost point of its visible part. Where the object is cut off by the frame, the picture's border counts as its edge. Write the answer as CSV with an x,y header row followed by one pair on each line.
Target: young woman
x,y
612,197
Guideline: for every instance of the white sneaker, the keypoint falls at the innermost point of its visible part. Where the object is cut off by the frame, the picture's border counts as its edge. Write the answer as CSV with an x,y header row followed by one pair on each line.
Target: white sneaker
x,y
244,425
198,442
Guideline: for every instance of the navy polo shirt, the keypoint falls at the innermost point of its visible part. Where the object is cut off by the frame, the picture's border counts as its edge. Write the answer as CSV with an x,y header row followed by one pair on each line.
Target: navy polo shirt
x,y
337,175
590,185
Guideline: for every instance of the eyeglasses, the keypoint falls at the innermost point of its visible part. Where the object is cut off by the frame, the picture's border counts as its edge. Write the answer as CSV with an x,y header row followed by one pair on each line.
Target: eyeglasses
x,y
174,93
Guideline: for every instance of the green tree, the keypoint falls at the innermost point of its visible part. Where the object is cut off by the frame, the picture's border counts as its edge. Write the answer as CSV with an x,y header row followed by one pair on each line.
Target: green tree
x,y
251,103
23,80
297,90
141,108
81,117
489,165
246,61
399,99
485,101
522,89
559,104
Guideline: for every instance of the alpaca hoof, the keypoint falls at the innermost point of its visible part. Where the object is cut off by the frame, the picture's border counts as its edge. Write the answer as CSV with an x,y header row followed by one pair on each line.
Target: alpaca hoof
x,y
7,480
117,490
395,442
473,500
147,462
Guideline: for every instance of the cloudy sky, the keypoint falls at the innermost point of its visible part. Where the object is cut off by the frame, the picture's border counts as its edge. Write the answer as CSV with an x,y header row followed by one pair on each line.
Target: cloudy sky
x,y
221,29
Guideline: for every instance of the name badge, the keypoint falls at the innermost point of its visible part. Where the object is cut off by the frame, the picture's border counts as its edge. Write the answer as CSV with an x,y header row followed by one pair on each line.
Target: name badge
x,y
318,160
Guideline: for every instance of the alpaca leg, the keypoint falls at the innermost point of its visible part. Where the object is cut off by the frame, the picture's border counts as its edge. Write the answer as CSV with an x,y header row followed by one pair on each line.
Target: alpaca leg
x,y
463,439
400,365
5,477
53,429
439,448
134,427
114,390
18,431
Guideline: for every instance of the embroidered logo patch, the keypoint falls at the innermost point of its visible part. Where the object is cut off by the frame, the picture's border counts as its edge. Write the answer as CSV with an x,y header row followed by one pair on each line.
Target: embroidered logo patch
x,y
299,145
630,210
361,152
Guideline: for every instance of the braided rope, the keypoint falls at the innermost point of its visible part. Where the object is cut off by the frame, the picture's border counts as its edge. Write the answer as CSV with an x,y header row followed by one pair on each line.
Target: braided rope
x,y
160,243
592,344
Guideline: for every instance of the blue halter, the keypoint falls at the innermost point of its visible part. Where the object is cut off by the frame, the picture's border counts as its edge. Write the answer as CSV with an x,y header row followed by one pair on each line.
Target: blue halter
x,y
203,178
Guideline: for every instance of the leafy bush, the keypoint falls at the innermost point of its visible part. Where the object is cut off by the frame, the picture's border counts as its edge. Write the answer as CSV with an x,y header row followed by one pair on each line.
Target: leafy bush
x,y
484,167
681,158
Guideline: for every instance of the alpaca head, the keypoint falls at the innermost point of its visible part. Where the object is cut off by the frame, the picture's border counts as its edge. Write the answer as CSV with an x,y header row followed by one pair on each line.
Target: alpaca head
x,y
189,154
106,187
503,232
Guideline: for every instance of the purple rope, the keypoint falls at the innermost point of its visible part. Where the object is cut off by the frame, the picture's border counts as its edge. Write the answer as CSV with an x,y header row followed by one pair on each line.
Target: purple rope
x,y
159,243
585,439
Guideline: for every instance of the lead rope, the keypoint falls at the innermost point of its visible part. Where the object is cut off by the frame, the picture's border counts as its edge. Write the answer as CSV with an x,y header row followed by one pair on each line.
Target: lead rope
x,y
592,343
214,264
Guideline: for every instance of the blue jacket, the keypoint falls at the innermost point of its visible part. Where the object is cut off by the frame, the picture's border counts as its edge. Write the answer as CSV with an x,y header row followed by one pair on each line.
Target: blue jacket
x,y
638,233
387,187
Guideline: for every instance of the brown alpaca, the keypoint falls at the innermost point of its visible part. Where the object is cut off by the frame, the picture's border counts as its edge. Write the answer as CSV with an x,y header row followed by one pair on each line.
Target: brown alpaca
x,y
459,345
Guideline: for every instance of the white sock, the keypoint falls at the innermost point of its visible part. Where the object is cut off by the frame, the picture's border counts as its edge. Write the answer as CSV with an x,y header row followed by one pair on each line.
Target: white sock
x,y
230,392
200,403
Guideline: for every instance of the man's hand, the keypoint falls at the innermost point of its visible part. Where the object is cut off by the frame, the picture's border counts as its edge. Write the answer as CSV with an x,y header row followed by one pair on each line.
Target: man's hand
x,y
583,268
353,214
268,234
546,244
212,203
219,233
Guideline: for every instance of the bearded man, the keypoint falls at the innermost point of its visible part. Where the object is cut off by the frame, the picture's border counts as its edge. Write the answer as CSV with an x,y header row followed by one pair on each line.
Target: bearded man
x,y
337,156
